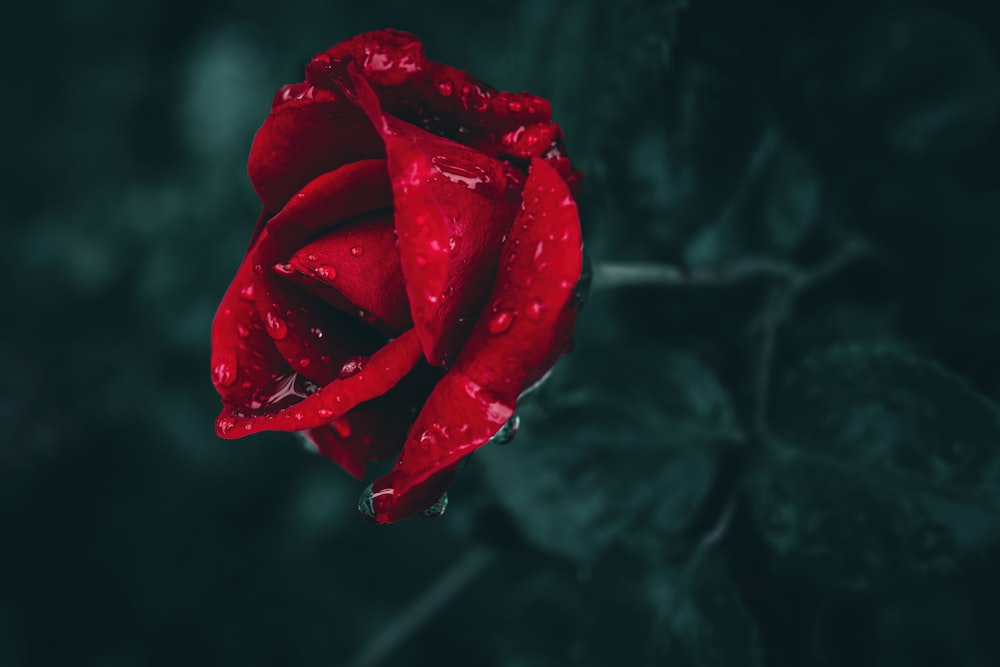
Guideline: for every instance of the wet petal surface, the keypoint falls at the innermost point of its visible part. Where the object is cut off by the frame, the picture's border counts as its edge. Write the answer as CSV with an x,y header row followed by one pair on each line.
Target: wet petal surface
x,y
517,338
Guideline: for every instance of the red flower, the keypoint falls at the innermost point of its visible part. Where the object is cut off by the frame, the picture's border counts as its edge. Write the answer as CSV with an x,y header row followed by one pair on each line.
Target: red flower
x,y
411,272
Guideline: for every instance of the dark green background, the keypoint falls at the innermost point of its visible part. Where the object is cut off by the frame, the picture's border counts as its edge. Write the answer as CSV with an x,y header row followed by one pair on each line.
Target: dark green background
x,y
667,501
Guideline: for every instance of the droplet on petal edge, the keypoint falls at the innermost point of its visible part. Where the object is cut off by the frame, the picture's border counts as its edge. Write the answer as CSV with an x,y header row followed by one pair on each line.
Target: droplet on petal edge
x,y
438,508
507,431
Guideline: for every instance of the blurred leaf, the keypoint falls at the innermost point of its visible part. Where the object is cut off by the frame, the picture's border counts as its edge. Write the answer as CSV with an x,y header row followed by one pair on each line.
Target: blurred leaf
x,y
705,622
883,466
621,444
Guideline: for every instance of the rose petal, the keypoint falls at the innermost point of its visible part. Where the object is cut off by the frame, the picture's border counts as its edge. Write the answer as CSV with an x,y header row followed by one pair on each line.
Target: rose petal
x,y
360,436
324,203
312,132
243,356
360,260
381,372
516,339
314,339
453,206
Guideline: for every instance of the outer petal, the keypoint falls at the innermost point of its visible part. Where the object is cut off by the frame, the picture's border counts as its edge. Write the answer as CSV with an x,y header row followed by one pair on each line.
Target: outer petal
x,y
447,101
517,337
243,356
310,131
453,208
322,406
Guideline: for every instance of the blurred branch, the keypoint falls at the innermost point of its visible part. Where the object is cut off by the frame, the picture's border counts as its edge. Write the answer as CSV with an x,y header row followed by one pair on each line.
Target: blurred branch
x,y
424,608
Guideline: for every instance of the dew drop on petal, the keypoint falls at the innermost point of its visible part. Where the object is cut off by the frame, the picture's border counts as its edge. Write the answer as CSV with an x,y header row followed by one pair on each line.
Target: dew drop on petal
x,y
352,366
242,331
324,413
325,272
438,508
276,327
500,322
446,88
225,371
507,431
303,362
515,106
247,292
535,309
284,269
357,251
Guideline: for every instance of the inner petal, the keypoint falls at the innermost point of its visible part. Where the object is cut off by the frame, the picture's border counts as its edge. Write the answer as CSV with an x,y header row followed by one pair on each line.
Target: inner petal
x,y
360,262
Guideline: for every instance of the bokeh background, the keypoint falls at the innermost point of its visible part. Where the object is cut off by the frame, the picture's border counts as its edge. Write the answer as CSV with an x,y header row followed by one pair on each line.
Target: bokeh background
x,y
788,455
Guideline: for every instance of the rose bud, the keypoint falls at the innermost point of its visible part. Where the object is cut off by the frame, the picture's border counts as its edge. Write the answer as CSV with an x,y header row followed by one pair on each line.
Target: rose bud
x,y
411,273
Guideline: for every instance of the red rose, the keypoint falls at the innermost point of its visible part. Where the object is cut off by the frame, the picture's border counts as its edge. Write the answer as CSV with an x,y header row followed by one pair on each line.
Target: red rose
x,y
411,272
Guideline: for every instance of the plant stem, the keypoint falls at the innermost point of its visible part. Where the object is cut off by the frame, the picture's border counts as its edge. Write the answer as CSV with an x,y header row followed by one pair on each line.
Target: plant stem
x,y
442,591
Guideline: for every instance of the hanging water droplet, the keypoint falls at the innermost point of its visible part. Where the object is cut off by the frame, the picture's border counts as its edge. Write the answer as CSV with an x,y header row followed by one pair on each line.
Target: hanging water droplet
x,y
276,327
366,504
438,508
352,366
500,322
507,431
357,251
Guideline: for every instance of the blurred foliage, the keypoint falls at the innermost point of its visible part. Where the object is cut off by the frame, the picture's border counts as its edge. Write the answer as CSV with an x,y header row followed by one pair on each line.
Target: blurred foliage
x,y
788,456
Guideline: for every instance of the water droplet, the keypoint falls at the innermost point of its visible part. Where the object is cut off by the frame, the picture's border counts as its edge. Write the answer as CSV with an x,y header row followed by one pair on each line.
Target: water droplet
x,y
366,504
446,88
515,106
352,366
357,251
325,272
225,371
316,331
276,327
438,508
324,413
284,269
247,292
225,424
500,322
242,331
452,243
303,362
507,431
421,260
535,309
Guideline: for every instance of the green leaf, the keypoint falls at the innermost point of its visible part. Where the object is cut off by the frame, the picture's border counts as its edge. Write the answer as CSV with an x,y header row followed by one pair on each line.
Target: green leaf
x,y
619,445
883,466
703,620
